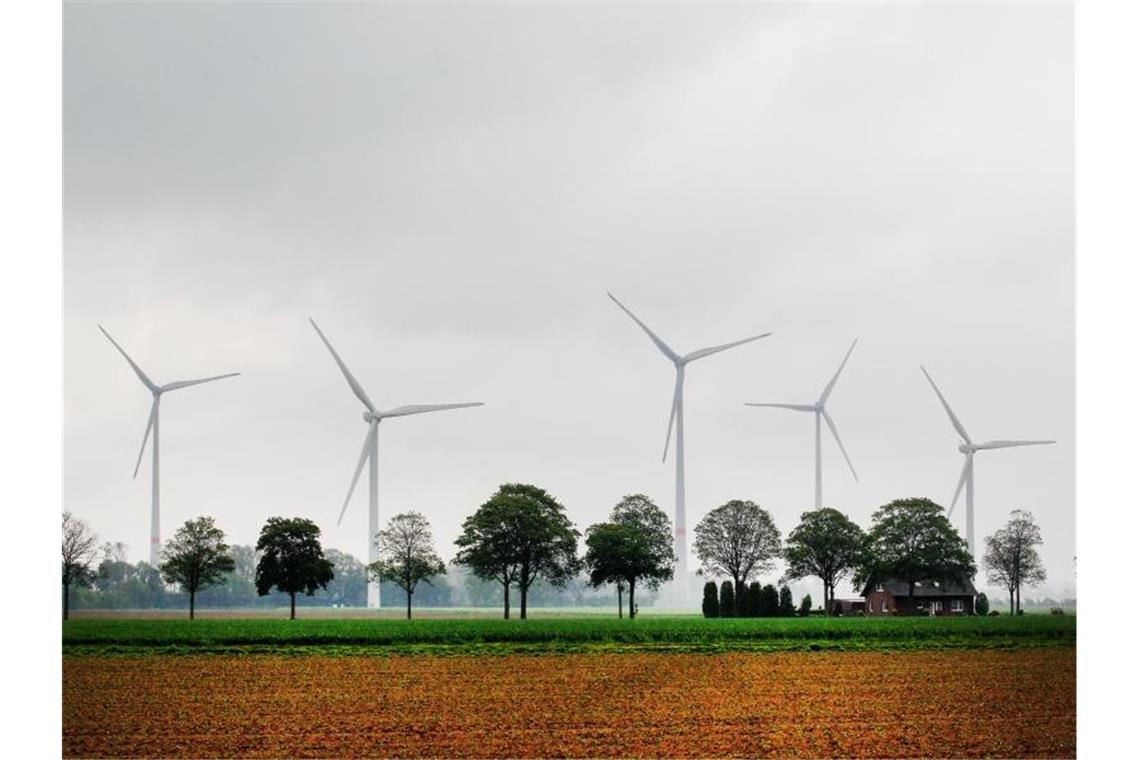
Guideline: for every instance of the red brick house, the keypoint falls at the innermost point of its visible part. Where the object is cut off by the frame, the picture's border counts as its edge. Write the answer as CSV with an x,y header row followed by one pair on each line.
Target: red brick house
x,y
930,598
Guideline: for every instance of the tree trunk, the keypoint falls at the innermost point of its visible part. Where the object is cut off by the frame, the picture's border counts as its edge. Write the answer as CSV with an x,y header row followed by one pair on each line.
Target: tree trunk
x,y
191,605
506,601
735,597
1019,599
621,603
66,600
826,598
292,605
409,605
1011,601
522,600
632,606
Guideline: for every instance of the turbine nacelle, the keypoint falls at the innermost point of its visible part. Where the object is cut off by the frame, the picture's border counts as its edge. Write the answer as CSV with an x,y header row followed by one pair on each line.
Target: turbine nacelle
x,y
967,448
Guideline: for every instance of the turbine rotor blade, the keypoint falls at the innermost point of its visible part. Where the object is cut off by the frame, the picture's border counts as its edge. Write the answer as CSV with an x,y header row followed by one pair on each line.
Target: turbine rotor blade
x,y
953,418
146,436
403,411
364,454
831,385
673,356
355,386
831,424
796,407
138,370
677,390
701,353
187,383
961,482
1011,444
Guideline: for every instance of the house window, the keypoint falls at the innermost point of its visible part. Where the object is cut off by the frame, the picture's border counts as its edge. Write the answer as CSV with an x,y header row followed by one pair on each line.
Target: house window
x,y
956,605
878,587
938,606
884,605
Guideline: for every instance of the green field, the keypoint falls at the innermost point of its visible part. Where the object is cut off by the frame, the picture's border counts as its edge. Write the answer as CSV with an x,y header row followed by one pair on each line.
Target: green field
x,y
385,636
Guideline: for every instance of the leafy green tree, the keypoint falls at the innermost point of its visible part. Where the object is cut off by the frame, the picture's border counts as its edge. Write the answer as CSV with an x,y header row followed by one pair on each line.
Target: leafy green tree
x,y
750,607
636,545
982,604
805,605
787,606
1011,557
737,539
407,555
79,550
291,559
727,600
710,606
825,545
196,557
520,534
911,540
769,601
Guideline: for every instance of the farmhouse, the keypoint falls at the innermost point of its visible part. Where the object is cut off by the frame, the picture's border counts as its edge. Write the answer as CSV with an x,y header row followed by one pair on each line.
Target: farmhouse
x,y
930,598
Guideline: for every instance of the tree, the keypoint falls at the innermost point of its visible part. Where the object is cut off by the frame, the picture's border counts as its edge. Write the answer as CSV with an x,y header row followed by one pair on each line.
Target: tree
x,y
750,605
805,605
637,544
982,604
825,545
79,549
196,557
737,539
709,604
769,601
407,555
1011,557
727,600
291,559
787,606
911,540
520,534
349,586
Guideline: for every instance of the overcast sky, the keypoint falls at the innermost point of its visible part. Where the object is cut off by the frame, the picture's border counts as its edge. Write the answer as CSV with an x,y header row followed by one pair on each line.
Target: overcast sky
x,y
449,191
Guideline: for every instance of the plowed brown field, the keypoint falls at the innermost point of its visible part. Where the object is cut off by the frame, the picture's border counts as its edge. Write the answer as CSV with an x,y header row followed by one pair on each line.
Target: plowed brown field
x,y
903,704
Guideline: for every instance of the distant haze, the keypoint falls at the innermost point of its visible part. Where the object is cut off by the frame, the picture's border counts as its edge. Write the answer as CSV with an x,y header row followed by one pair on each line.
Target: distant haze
x,y
450,190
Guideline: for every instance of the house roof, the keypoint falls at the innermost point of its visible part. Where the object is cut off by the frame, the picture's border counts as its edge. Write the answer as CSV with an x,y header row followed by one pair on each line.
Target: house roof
x,y
896,587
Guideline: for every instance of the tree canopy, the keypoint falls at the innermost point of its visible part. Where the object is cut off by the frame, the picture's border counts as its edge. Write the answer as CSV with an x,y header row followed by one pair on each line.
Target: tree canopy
x,y
79,549
636,544
739,540
407,555
196,557
291,559
520,534
1011,558
825,545
912,541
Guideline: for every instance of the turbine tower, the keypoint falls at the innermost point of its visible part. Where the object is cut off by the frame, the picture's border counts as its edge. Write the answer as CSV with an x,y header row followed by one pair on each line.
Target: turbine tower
x,y
370,454
819,408
968,447
156,392
680,540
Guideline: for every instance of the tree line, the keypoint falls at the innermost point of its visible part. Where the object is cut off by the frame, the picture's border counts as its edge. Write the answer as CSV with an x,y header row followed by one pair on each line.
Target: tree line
x,y
521,536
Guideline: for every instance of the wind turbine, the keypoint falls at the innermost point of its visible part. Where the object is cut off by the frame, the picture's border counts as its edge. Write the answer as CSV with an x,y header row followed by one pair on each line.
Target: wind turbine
x,y
680,545
968,447
152,424
819,408
370,454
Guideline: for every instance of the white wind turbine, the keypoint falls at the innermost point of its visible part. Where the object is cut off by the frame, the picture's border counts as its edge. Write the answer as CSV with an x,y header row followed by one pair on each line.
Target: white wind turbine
x,y
370,454
152,425
680,541
968,447
819,408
